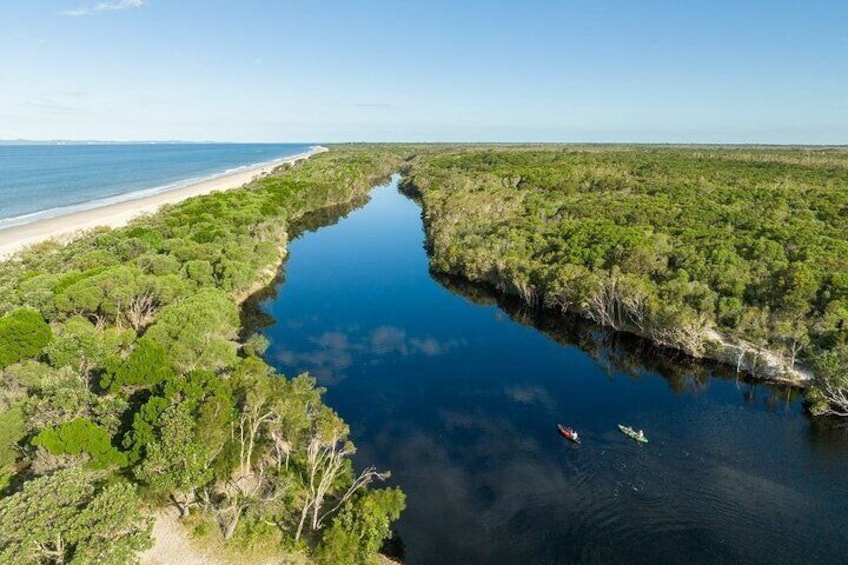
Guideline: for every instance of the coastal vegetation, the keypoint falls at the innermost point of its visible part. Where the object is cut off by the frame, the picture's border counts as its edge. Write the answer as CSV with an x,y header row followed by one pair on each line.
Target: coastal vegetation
x,y
738,254
129,383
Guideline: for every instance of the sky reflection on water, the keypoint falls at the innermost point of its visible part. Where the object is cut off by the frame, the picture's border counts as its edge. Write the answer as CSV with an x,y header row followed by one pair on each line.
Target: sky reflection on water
x,y
461,402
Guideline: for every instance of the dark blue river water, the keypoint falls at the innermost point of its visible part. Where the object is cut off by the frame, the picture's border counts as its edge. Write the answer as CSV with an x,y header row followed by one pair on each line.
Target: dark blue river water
x,y
461,402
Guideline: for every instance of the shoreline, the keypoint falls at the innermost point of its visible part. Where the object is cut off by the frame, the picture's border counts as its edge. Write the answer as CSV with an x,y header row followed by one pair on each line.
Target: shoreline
x,y
757,361
113,215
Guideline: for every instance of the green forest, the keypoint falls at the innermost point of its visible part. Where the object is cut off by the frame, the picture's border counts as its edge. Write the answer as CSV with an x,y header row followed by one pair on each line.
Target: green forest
x,y
129,385
692,247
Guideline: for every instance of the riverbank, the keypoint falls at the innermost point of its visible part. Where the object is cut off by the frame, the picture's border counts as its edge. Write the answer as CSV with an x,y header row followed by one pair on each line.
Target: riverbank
x,y
677,245
65,228
744,357
704,343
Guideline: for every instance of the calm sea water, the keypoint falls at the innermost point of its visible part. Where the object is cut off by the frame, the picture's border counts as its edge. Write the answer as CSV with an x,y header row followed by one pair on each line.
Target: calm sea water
x,y
461,403
39,181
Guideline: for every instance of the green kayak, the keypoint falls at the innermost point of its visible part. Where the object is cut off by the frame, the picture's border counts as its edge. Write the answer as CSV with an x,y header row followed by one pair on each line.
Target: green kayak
x,y
633,434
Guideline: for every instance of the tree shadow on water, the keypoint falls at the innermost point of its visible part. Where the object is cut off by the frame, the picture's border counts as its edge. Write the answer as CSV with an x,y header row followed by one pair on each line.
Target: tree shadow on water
x,y
253,317
623,353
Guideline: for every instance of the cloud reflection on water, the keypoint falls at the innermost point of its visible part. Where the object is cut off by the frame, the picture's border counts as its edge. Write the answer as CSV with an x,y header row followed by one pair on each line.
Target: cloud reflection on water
x,y
326,356
479,474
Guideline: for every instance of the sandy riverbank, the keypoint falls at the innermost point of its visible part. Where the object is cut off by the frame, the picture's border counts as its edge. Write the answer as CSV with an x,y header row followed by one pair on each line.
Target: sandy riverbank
x,y
64,228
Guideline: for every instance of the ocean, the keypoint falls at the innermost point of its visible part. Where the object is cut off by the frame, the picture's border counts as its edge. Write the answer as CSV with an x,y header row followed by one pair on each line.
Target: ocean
x,y
46,180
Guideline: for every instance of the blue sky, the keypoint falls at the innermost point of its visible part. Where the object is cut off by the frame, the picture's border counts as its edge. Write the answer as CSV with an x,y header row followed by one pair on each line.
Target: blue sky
x,y
461,70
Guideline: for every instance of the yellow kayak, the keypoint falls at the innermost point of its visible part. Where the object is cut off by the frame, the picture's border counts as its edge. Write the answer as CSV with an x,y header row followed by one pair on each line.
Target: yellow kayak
x,y
633,434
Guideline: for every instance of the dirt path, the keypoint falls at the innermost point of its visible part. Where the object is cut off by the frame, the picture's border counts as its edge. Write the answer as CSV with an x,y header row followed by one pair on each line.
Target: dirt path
x,y
172,546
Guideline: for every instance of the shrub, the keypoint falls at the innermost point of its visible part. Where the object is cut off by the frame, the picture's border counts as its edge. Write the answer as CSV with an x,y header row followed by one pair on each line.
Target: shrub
x,y
23,334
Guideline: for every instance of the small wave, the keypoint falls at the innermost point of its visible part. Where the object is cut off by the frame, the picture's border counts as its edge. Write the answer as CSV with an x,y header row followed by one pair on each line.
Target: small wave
x,y
85,205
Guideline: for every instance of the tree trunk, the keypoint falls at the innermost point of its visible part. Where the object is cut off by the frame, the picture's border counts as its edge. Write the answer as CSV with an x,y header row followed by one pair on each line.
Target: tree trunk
x,y
303,514
232,524
182,505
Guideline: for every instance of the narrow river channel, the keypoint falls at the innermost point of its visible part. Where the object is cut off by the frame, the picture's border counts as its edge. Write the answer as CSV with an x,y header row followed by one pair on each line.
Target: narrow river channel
x,y
461,403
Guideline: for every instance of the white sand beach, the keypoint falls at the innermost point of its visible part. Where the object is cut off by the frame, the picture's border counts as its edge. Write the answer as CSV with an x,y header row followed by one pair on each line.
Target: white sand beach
x,y
66,227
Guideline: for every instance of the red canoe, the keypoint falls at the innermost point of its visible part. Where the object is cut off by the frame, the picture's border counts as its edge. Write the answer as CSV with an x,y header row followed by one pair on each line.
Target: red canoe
x,y
568,433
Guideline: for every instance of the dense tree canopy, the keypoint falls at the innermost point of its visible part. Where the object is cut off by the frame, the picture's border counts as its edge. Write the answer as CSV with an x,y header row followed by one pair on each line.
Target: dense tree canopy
x,y
120,359
72,516
672,243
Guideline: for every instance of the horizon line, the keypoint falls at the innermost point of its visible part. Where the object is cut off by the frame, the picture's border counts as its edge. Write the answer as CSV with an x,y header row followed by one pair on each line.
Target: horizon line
x,y
24,141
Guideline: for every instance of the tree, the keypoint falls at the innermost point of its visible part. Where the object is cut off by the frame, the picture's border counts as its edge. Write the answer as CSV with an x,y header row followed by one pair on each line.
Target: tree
x,y
198,332
23,333
63,396
789,329
673,243
256,345
79,346
97,258
81,436
244,480
279,422
829,392
73,516
200,272
122,295
204,395
327,463
158,264
12,431
144,427
38,291
145,366
360,528
175,463
128,310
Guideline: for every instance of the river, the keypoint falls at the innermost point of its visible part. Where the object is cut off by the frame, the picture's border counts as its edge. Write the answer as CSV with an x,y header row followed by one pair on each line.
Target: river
x,y
459,397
